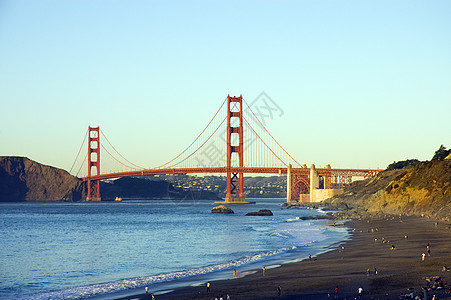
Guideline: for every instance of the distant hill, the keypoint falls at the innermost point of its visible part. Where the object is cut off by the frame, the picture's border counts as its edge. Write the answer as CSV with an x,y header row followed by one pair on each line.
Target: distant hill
x,y
422,188
22,179
254,186
130,187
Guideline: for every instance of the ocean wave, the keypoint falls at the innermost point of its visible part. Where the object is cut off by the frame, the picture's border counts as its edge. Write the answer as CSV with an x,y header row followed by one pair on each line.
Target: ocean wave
x,y
300,233
130,283
320,210
278,234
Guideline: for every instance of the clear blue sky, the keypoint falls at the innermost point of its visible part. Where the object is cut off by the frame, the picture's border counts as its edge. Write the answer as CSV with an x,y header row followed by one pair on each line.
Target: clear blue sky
x,y
361,83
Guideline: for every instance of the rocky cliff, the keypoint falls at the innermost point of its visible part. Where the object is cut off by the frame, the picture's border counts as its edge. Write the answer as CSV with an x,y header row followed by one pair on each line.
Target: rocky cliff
x,y
22,179
424,188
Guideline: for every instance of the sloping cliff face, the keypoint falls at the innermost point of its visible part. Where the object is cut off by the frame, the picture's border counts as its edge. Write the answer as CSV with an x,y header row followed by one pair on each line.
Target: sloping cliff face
x,y
422,189
22,179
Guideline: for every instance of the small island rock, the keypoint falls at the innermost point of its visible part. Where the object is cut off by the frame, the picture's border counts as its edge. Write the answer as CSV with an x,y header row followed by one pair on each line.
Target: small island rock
x,y
261,212
221,209
328,216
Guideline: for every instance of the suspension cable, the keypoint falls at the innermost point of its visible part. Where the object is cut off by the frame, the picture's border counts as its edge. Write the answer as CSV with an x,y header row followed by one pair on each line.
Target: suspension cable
x,y
103,147
270,133
200,145
137,167
264,142
86,156
81,146
195,139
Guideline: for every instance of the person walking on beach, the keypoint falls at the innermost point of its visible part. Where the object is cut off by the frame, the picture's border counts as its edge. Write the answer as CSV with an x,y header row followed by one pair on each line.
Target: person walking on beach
x,y
279,291
428,248
425,294
234,273
336,292
264,271
208,286
146,289
310,257
153,296
423,255
360,292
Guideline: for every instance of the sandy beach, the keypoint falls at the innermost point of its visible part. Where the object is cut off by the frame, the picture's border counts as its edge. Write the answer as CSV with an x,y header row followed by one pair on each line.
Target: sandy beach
x,y
352,265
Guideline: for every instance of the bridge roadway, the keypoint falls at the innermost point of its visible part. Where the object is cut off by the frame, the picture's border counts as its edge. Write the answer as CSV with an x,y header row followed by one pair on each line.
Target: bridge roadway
x,y
248,170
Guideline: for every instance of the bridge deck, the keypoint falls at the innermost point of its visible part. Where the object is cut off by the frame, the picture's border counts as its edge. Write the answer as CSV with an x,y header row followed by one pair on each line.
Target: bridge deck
x,y
247,170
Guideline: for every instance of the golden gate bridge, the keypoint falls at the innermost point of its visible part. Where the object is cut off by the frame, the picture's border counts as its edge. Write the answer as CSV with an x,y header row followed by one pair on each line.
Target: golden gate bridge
x,y
234,142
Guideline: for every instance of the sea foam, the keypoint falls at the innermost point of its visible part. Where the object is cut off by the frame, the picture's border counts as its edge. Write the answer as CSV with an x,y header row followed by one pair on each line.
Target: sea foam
x,y
130,283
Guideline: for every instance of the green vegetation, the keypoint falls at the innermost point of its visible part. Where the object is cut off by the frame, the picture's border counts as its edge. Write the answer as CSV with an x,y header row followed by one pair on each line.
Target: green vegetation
x,y
402,164
441,153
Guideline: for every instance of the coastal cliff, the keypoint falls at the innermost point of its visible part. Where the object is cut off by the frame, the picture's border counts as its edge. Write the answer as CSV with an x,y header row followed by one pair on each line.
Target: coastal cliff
x,y
421,189
22,179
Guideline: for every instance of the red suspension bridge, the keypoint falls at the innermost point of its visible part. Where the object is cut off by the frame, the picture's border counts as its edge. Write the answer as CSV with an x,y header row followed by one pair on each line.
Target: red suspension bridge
x,y
249,148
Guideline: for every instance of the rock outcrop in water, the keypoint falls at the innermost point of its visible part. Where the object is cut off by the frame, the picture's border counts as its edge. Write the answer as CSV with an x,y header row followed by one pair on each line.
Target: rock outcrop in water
x,y
221,209
261,212
328,216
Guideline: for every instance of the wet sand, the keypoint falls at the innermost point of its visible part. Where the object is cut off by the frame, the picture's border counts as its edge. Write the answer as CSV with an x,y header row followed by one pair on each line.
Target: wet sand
x,y
397,270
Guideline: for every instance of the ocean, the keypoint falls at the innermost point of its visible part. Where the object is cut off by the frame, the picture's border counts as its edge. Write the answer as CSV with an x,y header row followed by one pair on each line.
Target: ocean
x,y
111,249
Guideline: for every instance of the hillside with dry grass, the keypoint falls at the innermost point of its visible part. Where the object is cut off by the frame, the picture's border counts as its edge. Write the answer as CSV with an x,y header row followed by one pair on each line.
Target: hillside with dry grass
x,y
422,189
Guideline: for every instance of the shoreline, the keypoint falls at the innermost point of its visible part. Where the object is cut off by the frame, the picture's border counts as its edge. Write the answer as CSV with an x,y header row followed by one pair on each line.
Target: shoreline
x,y
368,248
338,235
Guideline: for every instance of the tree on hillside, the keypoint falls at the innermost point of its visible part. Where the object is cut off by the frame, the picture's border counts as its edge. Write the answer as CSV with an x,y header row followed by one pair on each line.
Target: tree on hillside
x,y
402,164
441,153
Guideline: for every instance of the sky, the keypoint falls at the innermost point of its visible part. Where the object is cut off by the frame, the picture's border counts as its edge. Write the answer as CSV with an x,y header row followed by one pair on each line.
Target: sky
x,y
360,84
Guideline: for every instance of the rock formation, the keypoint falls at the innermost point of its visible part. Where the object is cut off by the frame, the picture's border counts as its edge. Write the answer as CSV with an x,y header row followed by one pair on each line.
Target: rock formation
x,y
261,212
22,179
221,209
423,189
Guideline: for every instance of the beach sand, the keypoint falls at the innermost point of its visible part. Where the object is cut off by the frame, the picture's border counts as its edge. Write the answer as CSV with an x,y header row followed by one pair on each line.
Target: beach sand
x,y
397,270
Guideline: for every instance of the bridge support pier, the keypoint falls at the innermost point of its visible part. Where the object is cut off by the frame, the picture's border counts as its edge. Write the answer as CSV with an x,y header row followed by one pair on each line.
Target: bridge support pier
x,y
310,185
235,181
289,183
93,161
314,182
93,189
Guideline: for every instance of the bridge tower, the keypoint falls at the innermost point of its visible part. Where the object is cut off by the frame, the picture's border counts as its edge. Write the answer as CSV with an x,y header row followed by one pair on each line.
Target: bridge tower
x,y
93,162
235,181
